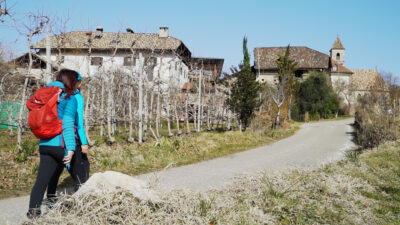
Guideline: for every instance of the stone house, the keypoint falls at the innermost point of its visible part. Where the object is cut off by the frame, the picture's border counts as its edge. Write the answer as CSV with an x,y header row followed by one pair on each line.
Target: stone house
x,y
348,84
21,64
307,60
93,52
211,69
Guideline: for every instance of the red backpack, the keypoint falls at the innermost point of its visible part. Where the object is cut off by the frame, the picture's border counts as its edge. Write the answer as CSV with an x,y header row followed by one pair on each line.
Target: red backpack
x,y
43,117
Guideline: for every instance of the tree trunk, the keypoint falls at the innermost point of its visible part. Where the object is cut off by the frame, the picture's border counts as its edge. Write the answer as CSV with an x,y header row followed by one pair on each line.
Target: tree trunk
x,y
130,138
146,112
177,120
278,115
87,122
187,115
111,139
229,120
102,128
199,104
169,115
21,113
290,108
140,112
158,114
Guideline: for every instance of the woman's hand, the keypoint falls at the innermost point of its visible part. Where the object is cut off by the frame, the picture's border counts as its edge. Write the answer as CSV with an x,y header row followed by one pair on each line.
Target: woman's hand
x,y
85,149
67,159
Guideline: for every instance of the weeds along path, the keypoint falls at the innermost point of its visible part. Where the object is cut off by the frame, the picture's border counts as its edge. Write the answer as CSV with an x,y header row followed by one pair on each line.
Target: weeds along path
x,y
313,145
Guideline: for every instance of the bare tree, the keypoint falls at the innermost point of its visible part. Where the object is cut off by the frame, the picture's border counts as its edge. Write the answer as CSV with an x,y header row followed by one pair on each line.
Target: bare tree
x,y
344,91
3,10
282,89
35,25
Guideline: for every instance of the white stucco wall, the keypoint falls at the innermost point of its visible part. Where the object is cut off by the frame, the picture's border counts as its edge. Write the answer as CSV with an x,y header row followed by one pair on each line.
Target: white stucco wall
x,y
267,77
170,69
335,79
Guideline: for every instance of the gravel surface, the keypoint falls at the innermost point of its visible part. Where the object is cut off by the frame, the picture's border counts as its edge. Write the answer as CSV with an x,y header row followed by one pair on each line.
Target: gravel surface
x,y
313,145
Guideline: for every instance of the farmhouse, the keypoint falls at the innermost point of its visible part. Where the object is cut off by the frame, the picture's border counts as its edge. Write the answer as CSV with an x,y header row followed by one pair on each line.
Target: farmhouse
x,y
307,60
96,52
349,84
209,69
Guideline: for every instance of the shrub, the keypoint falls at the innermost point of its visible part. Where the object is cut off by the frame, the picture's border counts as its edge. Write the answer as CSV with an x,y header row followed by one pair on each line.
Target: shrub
x,y
28,148
317,97
373,126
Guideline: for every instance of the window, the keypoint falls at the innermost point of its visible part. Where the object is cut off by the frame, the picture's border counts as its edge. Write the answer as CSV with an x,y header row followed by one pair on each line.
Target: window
x,y
150,61
96,61
128,61
298,73
60,59
338,56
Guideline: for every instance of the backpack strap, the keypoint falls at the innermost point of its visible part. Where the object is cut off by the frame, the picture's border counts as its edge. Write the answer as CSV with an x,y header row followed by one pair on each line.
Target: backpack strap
x,y
62,141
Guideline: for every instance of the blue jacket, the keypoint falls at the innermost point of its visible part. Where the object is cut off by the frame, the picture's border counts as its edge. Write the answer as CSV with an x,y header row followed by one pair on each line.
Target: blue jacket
x,y
66,110
79,118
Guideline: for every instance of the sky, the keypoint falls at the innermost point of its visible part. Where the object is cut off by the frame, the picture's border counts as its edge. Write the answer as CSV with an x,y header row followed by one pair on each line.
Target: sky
x,y
369,29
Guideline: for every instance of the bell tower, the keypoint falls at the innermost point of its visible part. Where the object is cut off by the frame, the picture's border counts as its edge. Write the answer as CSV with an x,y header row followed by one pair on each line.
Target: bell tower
x,y
338,51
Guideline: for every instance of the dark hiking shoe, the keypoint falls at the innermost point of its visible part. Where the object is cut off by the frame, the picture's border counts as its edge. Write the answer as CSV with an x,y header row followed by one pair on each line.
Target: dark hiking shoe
x,y
50,201
33,213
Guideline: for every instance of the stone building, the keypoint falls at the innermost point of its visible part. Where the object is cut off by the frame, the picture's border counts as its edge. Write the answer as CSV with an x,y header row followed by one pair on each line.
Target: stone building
x,y
307,60
96,52
348,84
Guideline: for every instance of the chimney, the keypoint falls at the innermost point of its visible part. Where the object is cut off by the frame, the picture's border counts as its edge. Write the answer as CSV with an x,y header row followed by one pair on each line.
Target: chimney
x,y
129,30
99,32
163,32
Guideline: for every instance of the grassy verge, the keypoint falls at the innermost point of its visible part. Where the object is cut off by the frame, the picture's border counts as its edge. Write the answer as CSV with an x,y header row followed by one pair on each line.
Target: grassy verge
x,y
17,178
364,189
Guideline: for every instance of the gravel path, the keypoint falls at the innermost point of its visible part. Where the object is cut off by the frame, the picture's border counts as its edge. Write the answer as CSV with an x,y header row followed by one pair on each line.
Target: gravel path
x,y
313,145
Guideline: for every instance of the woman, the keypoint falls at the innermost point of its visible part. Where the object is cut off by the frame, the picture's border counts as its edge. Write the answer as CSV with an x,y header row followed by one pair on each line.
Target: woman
x,y
80,163
79,168
52,158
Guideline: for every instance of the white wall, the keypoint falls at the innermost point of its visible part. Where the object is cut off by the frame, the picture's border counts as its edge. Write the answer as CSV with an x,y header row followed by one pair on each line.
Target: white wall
x,y
172,69
270,78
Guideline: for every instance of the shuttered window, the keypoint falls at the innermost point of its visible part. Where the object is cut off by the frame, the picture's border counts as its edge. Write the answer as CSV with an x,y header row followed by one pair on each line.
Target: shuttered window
x,y
96,61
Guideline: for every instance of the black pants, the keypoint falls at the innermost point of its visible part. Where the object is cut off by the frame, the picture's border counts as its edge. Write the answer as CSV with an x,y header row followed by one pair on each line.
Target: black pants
x,y
79,171
51,163
50,168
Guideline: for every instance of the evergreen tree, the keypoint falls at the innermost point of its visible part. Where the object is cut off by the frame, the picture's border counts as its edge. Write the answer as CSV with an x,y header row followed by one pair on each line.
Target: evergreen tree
x,y
243,99
317,97
286,87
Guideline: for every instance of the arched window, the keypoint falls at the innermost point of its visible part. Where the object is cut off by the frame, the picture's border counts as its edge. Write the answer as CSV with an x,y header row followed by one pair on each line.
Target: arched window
x,y
338,56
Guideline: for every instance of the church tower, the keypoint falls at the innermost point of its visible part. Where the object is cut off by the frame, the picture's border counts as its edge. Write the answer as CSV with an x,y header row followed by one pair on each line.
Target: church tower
x,y
338,51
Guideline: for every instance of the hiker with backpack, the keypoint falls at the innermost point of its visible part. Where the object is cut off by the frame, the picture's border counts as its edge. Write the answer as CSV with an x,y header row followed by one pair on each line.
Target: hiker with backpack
x,y
52,119
79,167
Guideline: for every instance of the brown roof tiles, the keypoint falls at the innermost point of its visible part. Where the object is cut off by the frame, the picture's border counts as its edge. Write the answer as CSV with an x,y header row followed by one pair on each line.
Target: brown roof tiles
x,y
78,40
306,58
338,68
338,44
367,80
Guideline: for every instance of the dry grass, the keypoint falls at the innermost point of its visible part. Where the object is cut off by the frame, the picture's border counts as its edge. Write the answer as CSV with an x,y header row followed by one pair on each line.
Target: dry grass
x,y
17,178
360,191
136,159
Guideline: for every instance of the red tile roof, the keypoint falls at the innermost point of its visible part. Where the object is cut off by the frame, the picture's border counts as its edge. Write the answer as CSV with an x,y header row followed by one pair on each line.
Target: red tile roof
x,y
306,58
338,44
338,68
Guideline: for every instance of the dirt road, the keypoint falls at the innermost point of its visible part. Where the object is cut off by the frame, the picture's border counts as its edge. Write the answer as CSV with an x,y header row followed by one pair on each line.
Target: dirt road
x,y
313,145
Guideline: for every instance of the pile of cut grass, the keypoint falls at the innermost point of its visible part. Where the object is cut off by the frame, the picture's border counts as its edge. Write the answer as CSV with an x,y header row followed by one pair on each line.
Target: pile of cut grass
x,y
361,190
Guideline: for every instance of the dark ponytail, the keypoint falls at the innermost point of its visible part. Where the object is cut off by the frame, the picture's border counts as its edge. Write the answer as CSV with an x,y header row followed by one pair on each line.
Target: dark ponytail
x,y
69,78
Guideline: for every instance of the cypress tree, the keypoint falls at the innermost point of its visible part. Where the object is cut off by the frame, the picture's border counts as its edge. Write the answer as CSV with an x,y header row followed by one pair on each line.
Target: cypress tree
x,y
244,92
